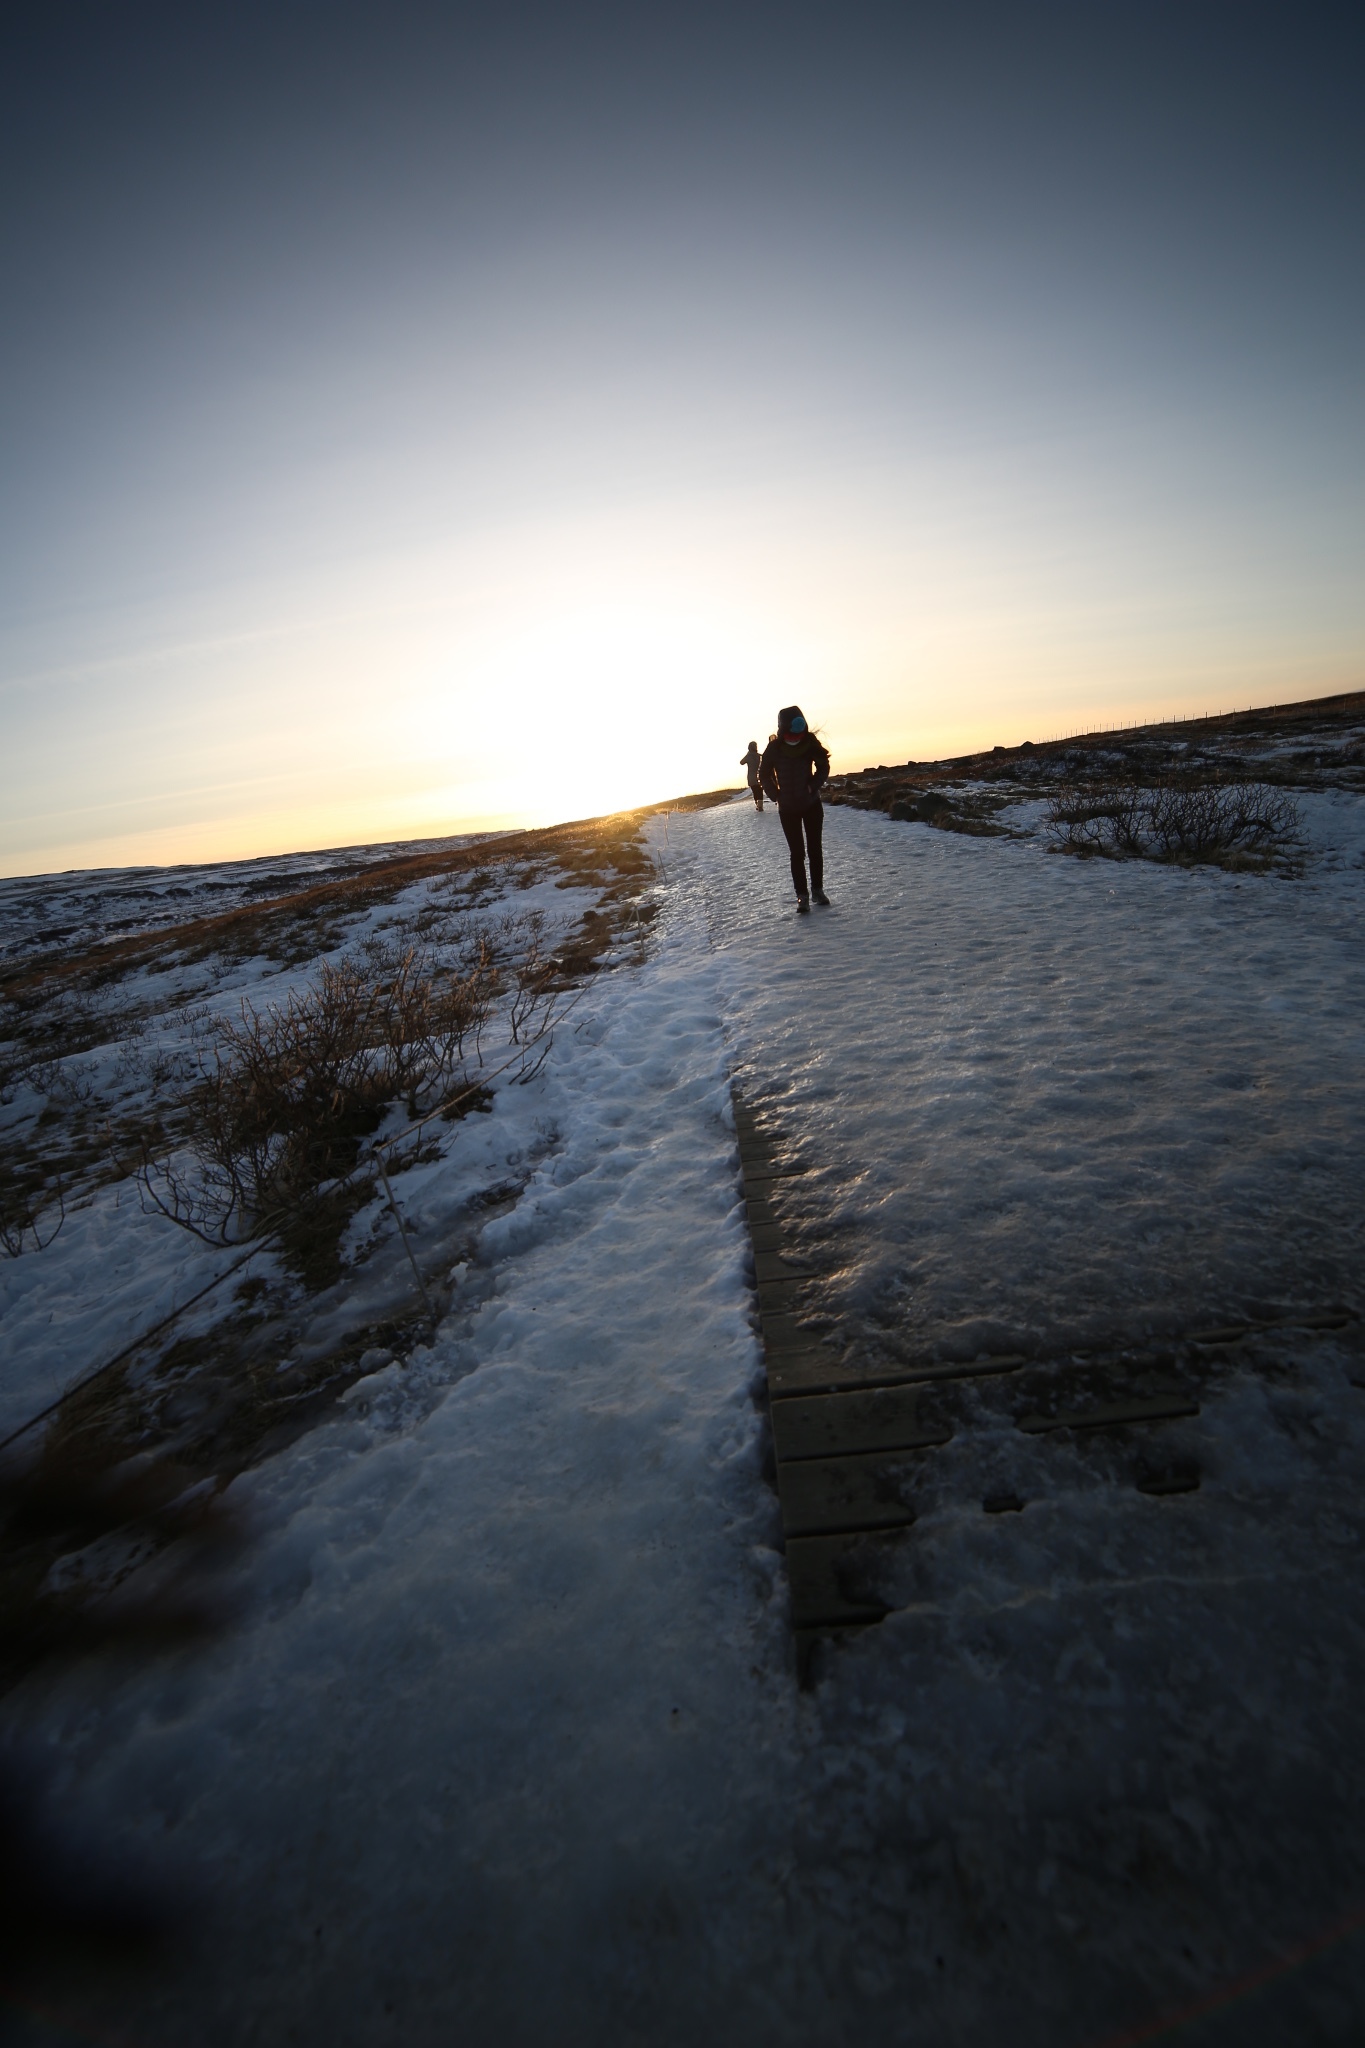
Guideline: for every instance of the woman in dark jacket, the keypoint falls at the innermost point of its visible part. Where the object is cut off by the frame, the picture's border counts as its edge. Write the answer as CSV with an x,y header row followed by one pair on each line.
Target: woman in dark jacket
x,y
794,769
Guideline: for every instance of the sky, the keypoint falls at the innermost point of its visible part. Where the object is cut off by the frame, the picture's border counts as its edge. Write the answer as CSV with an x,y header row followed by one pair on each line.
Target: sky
x,y
422,419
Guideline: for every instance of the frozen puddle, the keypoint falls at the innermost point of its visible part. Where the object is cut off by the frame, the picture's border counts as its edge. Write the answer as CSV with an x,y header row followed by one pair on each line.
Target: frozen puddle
x,y
508,1746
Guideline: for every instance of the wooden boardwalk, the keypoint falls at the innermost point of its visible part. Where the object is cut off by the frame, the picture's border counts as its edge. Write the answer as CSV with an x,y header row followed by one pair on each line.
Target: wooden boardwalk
x,y
844,1443
850,1440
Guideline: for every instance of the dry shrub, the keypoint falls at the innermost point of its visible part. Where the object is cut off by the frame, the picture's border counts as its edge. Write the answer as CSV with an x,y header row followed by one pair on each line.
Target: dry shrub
x,y
532,969
1218,822
26,1214
285,1095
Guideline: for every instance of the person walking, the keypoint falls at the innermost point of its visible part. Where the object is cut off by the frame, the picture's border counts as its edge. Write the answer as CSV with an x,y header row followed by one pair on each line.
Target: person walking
x,y
793,771
751,764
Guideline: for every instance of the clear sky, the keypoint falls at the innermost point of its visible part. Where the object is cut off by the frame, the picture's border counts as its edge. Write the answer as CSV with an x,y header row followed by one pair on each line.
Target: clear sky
x,y
422,418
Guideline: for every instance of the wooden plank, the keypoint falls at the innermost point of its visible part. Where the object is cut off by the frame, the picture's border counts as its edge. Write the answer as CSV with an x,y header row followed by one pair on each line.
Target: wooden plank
x,y
825,1496
767,1234
828,1425
771,1264
807,1366
830,1580
1181,1479
775,1297
759,1152
952,1369
782,1332
1112,1414
812,1370
810,1641
1288,1319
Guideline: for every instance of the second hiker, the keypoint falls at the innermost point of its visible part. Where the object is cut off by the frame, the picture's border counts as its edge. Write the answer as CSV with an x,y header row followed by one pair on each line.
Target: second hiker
x,y
793,771
751,764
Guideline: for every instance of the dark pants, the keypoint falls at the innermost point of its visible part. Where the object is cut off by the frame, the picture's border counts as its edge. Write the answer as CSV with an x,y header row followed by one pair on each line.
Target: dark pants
x,y
814,822
756,790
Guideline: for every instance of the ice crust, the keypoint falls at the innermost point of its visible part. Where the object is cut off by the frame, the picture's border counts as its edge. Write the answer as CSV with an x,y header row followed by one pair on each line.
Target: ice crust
x,y
1050,1099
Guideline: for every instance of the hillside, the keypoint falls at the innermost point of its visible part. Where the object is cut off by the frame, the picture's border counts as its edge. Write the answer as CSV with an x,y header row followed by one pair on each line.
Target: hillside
x,y
499,1732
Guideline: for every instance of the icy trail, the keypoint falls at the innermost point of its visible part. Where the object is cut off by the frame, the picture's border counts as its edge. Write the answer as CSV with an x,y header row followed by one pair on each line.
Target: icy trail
x,y
1055,1099
507,1747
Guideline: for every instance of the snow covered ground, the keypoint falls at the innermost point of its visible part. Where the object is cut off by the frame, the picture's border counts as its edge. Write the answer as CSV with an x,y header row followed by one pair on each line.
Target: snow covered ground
x,y
40,913
117,1266
507,1746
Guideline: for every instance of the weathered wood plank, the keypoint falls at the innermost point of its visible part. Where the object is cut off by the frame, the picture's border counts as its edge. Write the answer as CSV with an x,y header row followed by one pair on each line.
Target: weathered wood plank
x,y
782,1332
772,1264
1160,1484
935,1369
811,1370
1112,1414
758,1185
832,1580
793,1342
825,1496
760,1151
777,1296
829,1425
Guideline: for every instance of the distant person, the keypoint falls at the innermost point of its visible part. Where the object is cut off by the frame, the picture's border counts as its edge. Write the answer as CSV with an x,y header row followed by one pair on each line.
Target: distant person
x,y
752,766
793,771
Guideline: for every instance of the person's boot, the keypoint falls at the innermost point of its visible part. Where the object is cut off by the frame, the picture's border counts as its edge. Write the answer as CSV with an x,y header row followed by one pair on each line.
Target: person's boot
x,y
803,903
821,898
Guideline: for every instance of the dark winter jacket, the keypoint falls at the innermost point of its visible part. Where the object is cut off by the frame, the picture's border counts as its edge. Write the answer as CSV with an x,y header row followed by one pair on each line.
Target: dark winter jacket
x,y
793,773
751,764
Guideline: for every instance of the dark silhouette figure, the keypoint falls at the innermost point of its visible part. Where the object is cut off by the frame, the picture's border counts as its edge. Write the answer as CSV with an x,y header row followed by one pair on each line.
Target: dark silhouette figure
x,y
751,764
794,769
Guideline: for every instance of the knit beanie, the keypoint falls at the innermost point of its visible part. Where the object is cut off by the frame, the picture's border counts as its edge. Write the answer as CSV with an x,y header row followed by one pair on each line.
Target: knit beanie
x,y
790,719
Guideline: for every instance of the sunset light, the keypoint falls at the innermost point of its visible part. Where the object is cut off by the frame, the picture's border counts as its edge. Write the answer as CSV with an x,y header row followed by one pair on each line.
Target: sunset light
x,y
528,448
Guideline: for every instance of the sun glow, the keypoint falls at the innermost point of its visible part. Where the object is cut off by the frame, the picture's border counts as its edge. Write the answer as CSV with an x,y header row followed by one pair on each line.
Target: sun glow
x,y
613,703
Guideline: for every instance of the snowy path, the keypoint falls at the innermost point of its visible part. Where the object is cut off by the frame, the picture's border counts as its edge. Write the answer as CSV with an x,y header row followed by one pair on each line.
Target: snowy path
x,y
507,1748
475,1752
1055,1098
